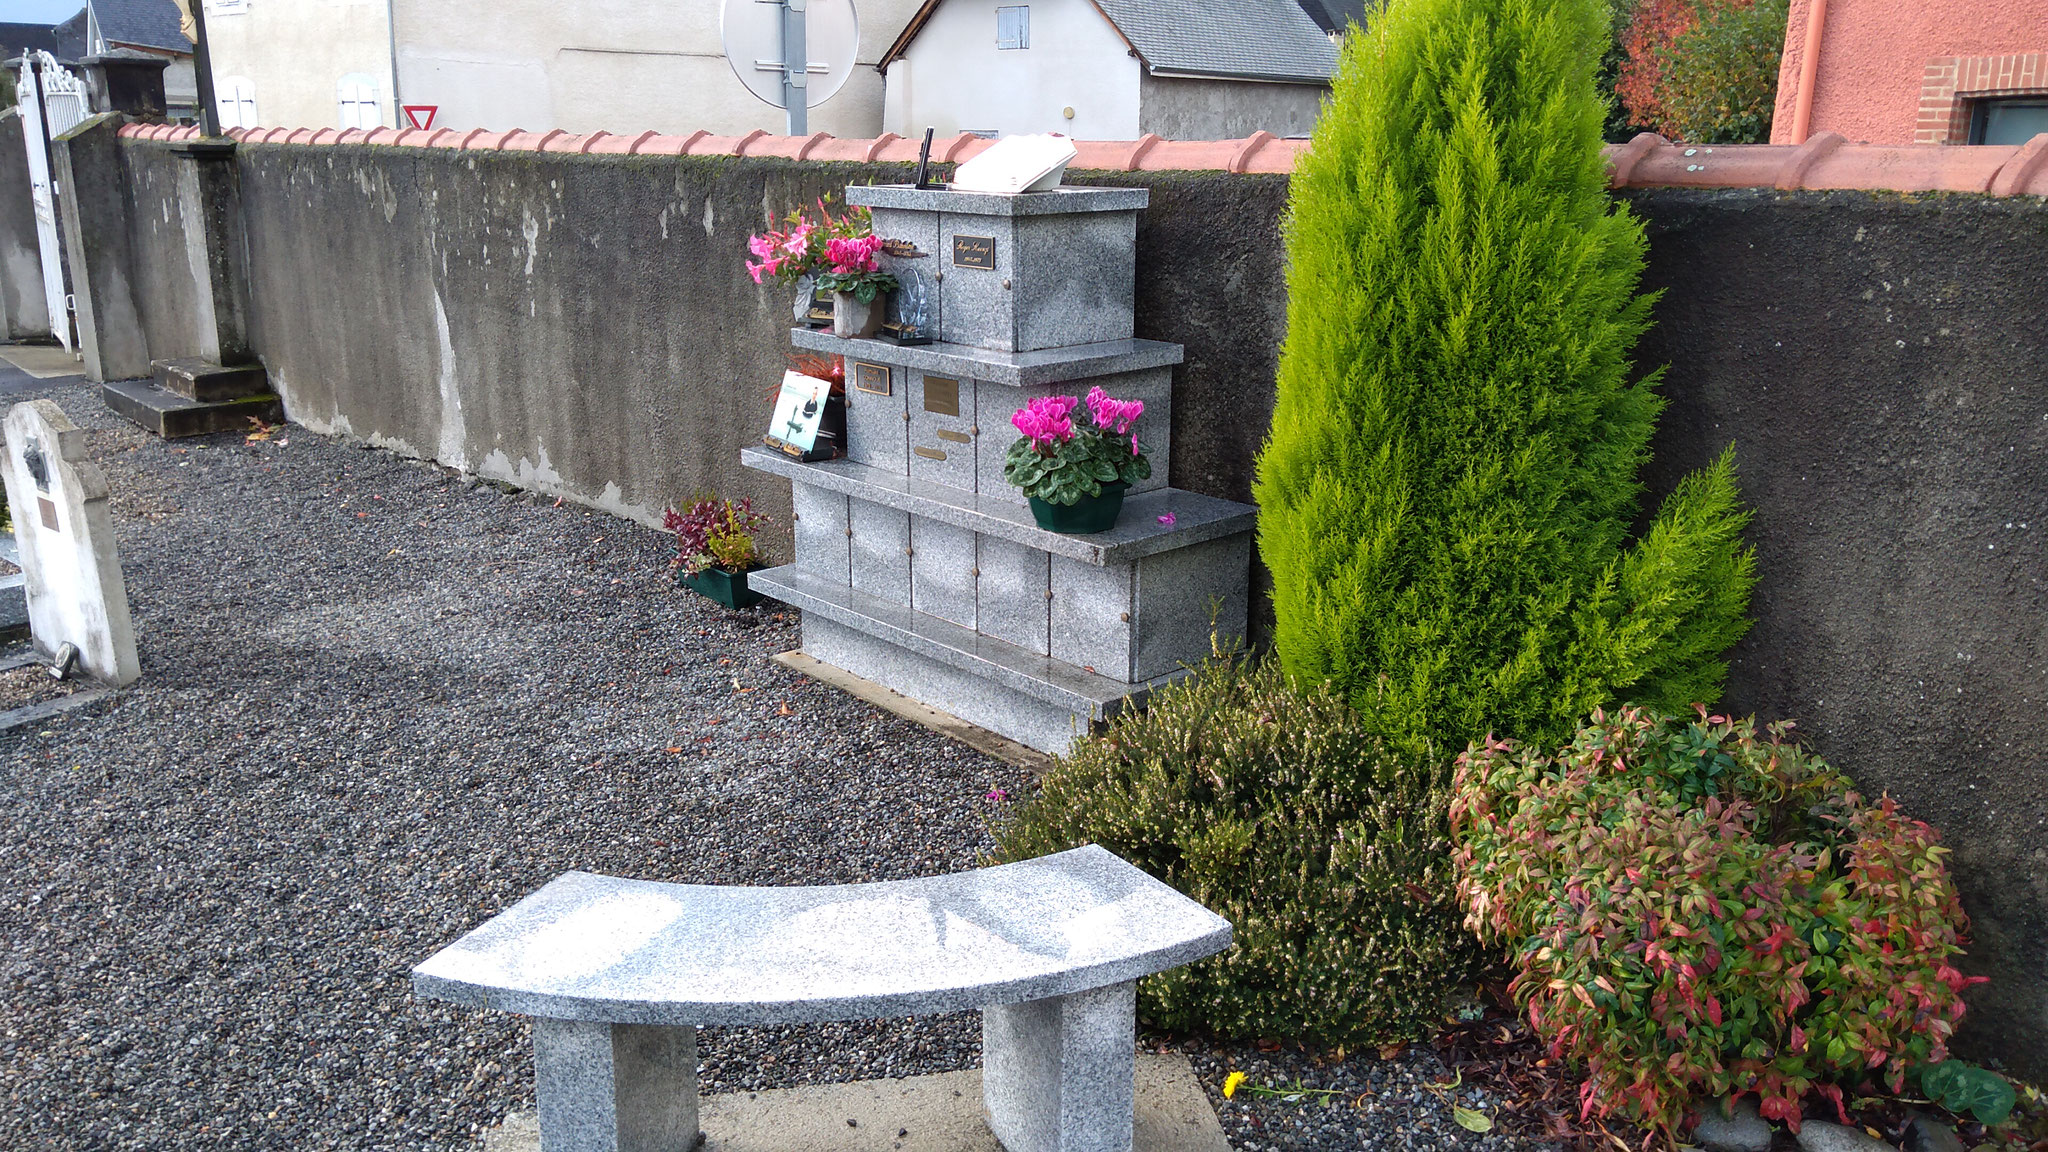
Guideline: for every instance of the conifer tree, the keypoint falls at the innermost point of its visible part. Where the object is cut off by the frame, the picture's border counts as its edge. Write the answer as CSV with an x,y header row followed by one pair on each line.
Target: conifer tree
x,y
1449,486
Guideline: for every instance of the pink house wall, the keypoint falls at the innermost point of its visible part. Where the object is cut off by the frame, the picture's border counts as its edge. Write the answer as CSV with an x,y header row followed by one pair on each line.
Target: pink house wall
x,y
1891,70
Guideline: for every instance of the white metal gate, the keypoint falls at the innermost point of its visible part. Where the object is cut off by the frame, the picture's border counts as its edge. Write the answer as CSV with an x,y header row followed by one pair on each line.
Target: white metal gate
x,y
46,88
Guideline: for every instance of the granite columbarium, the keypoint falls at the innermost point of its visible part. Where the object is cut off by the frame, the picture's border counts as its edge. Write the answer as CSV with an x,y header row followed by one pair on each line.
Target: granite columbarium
x,y
619,974
918,566
71,570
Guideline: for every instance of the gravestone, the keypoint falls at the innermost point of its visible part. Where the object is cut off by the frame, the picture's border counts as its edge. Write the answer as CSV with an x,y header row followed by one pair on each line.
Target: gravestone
x,y
66,539
918,566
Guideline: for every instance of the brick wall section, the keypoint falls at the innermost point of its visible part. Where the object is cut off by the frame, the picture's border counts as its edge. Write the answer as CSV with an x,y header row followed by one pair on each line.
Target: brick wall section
x,y
1952,82
1826,162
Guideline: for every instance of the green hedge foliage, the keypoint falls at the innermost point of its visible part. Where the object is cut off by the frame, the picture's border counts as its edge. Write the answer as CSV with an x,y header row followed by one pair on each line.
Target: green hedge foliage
x,y
1275,808
1447,492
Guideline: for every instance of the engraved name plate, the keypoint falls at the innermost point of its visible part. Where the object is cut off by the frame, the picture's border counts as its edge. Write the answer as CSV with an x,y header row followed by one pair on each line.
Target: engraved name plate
x,y
874,379
941,396
974,252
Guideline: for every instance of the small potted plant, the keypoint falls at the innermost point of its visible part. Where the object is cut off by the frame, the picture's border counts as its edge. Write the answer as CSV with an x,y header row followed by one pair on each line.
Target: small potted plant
x,y
857,284
1074,475
714,549
796,254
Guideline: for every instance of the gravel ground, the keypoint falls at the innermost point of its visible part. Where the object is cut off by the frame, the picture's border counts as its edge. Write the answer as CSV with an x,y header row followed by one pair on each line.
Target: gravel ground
x,y
20,687
378,705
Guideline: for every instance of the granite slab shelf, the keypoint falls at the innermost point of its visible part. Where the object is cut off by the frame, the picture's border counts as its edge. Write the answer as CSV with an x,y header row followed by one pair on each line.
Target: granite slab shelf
x,y
1138,532
1020,369
1051,202
1040,677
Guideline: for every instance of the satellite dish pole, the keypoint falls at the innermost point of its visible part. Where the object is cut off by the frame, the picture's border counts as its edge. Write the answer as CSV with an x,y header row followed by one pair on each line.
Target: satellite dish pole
x,y
796,68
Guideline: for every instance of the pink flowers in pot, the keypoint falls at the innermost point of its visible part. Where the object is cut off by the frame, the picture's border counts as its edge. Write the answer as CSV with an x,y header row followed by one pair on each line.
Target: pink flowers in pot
x,y
1058,463
802,247
1045,421
1115,416
850,257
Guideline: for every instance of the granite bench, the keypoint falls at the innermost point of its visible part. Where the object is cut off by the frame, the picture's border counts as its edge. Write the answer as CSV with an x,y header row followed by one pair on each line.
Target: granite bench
x,y
618,974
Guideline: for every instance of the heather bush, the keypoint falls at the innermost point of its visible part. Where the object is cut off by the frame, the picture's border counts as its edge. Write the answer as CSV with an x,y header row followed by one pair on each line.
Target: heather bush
x,y
1447,494
1695,910
1275,807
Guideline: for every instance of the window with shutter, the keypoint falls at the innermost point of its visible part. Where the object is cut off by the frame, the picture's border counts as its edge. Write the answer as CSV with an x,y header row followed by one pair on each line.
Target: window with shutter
x,y
356,95
237,100
1013,27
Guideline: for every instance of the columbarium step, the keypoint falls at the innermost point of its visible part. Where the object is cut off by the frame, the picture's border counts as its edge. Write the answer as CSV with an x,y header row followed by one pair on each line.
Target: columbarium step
x,y
207,382
171,416
1018,369
1008,689
1190,518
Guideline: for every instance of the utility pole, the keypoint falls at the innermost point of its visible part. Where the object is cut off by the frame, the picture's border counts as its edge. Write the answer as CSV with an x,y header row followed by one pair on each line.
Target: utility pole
x,y
202,70
796,68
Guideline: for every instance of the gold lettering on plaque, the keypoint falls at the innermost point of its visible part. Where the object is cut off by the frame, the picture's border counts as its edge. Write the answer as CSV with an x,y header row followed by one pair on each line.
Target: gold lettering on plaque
x,y
942,396
874,379
929,453
955,437
974,252
903,249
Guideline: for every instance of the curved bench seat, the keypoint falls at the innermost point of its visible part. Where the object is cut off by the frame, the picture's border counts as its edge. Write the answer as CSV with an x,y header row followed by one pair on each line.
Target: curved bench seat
x,y
590,947
618,974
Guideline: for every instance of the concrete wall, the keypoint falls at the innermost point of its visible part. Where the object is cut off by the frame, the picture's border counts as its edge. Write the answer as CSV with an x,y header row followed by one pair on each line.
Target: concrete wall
x,y
1881,365
24,313
582,325
1875,55
614,65
1189,109
296,52
955,79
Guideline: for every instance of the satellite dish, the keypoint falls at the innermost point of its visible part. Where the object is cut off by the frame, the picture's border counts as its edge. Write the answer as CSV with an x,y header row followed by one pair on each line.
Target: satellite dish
x,y
752,30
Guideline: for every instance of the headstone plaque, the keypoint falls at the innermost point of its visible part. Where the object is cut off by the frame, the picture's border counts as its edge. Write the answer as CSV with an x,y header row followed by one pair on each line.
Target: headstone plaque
x,y
73,573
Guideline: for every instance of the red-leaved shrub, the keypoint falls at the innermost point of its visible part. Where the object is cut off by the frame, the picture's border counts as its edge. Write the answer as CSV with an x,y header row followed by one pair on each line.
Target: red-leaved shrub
x,y
1694,911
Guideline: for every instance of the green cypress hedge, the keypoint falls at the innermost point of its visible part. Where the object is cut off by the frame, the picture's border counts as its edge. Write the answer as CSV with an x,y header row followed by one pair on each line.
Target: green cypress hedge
x,y
1447,494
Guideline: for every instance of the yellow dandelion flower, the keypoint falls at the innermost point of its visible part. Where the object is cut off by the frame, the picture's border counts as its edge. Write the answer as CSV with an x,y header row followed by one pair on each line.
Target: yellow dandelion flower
x,y
1230,1084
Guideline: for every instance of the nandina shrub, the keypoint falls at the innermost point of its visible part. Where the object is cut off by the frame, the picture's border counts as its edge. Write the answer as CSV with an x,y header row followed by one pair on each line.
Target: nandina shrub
x,y
1695,911
1703,71
1276,807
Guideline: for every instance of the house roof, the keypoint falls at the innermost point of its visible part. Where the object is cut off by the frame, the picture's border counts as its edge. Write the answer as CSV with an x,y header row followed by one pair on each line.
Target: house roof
x,y
65,41
1236,39
1335,16
140,24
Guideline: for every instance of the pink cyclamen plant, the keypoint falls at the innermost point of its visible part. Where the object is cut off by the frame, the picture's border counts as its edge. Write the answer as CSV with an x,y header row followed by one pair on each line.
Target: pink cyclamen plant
x,y
1114,416
1045,421
852,257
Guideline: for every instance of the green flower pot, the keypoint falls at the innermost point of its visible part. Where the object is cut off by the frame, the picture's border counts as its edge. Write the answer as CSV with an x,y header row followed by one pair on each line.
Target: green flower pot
x,y
1091,514
727,588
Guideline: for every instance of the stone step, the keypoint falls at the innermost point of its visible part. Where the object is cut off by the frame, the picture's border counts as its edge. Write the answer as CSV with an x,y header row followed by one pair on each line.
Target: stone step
x,y
1064,686
202,380
1138,532
1022,369
171,416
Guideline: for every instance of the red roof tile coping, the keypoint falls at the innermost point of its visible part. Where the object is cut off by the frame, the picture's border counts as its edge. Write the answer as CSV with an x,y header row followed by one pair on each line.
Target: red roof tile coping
x,y
1826,161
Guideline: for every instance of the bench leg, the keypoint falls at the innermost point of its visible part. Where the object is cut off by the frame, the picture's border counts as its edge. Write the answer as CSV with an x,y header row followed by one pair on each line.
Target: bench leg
x,y
1056,1074
615,1087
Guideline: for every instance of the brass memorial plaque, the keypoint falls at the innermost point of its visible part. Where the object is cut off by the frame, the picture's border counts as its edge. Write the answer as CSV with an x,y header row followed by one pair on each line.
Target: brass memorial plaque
x,y
874,379
903,250
942,396
974,252
49,513
929,453
955,437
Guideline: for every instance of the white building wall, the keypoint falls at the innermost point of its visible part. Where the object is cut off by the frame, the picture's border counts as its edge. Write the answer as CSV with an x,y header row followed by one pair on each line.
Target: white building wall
x,y
616,65
955,79
294,54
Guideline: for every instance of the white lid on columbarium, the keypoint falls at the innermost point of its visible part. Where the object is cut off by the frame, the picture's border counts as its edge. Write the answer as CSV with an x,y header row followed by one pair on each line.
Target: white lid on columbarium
x,y
1016,164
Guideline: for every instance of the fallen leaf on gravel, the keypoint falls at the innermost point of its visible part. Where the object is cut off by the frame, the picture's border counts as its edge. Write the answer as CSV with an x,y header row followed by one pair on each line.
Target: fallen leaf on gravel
x,y
784,710
672,749
1470,1119
1389,1051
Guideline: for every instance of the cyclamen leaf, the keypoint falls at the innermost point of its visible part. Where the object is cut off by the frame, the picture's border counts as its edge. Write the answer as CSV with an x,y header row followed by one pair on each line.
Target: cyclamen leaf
x,y
1470,1119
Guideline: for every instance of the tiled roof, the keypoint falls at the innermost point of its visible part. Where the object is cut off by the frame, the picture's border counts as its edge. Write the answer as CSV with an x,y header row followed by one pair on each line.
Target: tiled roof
x,y
1252,39
65,41
140,23
1335,15
1649,161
